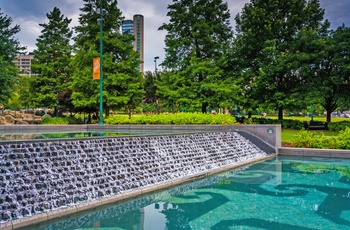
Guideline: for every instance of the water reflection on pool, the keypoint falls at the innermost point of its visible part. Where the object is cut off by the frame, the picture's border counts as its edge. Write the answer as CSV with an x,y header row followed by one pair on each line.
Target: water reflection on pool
x,y
42,136
281,193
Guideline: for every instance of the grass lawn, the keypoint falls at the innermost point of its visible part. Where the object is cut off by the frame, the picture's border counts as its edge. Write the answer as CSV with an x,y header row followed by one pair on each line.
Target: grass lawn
x,y
289,134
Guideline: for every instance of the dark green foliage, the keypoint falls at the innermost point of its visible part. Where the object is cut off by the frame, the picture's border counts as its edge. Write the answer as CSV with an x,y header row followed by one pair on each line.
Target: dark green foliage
x,y
267,45
60,121
9,46
51,62
9,49
327,70
150,102
123,83
197,40
150,87
8,80
338,126
286,123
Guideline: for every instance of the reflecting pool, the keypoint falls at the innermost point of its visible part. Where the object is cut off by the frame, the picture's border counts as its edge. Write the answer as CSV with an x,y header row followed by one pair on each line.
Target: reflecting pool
x,y
42,136
280,193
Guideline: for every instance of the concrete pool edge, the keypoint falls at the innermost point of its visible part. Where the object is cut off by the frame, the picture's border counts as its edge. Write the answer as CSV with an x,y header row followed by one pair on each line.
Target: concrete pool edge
x,y
268,133
62,212
311,152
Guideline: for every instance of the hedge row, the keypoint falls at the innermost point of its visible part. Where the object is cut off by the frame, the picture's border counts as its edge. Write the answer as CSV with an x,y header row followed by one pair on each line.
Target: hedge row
x,y
172,118
307,139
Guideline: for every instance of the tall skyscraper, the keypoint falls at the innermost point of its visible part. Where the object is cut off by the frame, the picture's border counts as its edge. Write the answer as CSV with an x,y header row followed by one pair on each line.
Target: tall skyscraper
x,y
136,27
128,26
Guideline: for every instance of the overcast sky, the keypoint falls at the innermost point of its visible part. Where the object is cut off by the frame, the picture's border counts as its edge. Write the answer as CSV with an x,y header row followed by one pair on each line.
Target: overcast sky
x,y
29,13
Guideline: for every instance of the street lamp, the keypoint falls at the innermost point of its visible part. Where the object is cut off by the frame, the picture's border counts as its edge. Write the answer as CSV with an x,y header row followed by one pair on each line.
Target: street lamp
x,y
101,71
155,64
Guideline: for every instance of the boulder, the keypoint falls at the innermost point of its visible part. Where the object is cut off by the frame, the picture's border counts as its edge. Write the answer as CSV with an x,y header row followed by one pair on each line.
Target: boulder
x,y
9,119
21,122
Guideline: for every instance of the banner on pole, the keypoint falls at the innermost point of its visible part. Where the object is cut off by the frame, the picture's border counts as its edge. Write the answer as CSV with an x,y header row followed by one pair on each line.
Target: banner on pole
x,y
96,68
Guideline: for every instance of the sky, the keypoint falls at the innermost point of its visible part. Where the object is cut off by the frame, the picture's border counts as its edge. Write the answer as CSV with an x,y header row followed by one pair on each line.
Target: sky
x,y
29,13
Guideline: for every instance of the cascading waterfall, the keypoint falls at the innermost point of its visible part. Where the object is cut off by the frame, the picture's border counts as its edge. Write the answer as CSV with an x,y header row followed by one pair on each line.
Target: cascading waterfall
x,y
118,210
36,177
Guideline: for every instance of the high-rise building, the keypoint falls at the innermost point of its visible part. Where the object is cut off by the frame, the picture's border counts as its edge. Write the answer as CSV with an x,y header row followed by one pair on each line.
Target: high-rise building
x,y
128,26
136,27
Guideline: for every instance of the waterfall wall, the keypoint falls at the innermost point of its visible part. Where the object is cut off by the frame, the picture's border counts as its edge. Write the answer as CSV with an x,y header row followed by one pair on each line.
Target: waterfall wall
x,y
40,176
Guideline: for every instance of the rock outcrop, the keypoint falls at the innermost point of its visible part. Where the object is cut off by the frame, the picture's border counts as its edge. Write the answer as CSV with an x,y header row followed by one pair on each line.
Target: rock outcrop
x,y
9,117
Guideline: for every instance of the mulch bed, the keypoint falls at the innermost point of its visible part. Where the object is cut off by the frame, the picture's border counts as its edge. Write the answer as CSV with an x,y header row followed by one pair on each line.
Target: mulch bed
x,y
287,144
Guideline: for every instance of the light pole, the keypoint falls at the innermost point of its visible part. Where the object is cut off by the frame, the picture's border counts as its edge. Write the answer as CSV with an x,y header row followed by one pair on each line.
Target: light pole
x,y
155,64
101,71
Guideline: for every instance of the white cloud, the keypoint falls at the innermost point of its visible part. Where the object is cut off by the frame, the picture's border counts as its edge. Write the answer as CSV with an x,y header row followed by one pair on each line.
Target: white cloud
x,y
30,30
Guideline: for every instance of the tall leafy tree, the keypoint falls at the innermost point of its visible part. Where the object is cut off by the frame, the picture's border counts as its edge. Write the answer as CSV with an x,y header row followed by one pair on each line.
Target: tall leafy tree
x,y
151,87
9,49
122,82
51,60
328,67
267,31
198,37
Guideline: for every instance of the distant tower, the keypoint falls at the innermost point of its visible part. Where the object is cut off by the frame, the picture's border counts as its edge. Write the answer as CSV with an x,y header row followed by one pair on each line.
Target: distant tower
x,y
139,37
136,27
128,26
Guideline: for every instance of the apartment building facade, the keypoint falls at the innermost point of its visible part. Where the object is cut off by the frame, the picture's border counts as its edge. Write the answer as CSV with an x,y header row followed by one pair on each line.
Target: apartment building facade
x,y
23,63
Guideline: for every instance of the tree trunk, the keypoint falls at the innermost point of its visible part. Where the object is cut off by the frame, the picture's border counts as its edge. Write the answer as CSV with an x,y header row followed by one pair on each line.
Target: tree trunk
x,y
329,113
330,105
280,113
204,107
107,111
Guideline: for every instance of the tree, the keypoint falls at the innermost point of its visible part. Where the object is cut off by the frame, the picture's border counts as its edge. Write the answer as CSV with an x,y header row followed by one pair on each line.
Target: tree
x,y
51,63
122,82
328,67
151,100
267,31
151,87
9,49
198,37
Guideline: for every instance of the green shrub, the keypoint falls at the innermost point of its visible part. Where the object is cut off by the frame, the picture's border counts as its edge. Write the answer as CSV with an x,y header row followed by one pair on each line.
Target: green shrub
x,y
60,120
287,123
324,142
343,139
55,121
46,119
172,118
338,126
304,139
307,139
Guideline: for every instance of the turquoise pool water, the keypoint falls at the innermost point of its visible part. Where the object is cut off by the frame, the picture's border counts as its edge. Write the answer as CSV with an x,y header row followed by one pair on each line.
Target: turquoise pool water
x,y
281,193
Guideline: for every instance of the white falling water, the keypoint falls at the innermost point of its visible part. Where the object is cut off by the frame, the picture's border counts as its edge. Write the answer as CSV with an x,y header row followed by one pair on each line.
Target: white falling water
x,y
42,176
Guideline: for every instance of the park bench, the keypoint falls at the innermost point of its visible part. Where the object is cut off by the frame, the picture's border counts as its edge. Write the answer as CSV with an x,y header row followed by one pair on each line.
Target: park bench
x,y
317,125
